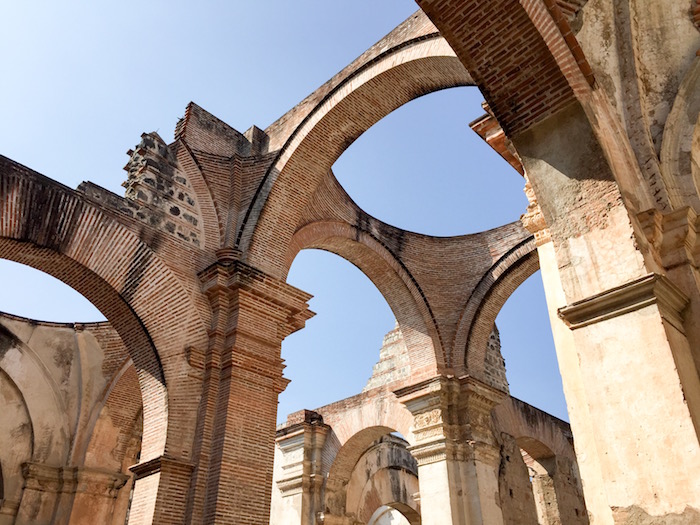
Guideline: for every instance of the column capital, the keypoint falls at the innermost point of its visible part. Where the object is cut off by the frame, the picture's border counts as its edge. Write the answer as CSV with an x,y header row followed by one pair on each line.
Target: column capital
x,y
272,296
47,478
160,464
648,290
452,417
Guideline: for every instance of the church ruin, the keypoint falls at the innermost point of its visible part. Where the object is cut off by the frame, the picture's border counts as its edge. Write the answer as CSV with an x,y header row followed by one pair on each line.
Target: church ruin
x,y
166,413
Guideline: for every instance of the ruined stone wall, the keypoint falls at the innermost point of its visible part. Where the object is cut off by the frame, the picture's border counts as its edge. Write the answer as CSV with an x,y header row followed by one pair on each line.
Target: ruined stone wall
x,y
71,422
334,459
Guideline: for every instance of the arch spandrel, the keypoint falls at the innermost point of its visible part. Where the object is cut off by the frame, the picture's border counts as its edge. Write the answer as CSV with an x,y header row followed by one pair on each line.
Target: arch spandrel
x,y
409,270
486,300
365,96
53,229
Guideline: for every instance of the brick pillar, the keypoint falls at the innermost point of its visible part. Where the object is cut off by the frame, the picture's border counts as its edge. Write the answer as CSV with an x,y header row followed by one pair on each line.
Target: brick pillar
x,y
302,479
252,314
160,491
457,455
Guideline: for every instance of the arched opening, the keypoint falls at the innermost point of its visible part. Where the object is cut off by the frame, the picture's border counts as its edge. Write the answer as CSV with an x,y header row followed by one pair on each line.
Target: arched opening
x,y
388,515
121,316
342,339
528,349
37,295
555,484
421,168
370,470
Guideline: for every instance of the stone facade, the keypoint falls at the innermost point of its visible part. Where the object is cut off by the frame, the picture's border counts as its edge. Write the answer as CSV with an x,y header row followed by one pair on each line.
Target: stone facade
x,y
596,103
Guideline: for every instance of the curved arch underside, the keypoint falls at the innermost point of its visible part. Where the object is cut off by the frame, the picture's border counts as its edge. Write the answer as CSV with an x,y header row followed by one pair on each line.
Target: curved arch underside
x,y
372,92
392,280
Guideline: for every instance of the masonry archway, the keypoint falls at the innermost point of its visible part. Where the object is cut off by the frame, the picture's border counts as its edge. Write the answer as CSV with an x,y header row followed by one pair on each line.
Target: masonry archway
x,y
52,229
372,468
365,95
391,278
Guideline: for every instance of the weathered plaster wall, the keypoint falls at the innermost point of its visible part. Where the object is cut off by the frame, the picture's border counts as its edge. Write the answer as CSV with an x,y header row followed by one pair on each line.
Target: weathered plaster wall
x,y
71,422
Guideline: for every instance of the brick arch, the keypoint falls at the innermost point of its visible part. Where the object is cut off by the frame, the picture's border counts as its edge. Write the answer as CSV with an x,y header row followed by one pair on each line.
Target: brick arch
x,y
680,146
392,279
487,299
533,430
365,96
53,229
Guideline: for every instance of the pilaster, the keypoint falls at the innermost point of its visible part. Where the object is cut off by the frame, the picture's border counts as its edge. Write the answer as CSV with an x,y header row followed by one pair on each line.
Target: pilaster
x,y
251,314
639,385
159,488
302,476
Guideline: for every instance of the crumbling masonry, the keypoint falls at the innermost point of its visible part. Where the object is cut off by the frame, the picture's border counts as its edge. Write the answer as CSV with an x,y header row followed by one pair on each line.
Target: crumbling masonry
x,y
595,103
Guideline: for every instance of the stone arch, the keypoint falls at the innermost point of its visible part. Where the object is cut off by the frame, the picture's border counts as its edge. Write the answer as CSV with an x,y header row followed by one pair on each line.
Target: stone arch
x,y
387,512
389,275
386,474
55,230
487,299
351,450
680,146
366,95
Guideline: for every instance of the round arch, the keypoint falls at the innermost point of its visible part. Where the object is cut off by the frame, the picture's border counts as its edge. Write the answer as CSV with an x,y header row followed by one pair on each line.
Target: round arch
x,y
388,512
366,95
486,301
352,449
391,278
53,229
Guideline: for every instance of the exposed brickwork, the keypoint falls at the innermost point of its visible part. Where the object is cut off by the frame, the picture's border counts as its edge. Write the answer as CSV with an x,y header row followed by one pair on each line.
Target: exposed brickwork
x,y
393,364
519,76
189,269
494,364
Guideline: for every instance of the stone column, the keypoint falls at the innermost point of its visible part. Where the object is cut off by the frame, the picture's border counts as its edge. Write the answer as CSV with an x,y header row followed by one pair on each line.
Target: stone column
x,y
457,454
252,314
619,324
302,478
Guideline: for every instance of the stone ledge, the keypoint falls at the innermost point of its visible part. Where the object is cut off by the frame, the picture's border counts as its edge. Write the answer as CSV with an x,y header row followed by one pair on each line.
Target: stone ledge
x,y
640,293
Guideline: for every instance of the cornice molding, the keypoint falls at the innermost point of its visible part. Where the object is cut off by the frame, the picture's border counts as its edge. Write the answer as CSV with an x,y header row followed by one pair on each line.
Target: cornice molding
x,y
634,295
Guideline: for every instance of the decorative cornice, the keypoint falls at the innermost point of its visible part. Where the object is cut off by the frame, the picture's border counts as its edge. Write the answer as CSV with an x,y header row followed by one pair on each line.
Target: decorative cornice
x,y
156,465
47,478
645,291
228,275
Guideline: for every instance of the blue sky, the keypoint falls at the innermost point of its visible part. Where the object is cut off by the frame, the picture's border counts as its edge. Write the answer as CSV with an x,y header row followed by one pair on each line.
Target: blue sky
x,y
85,79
